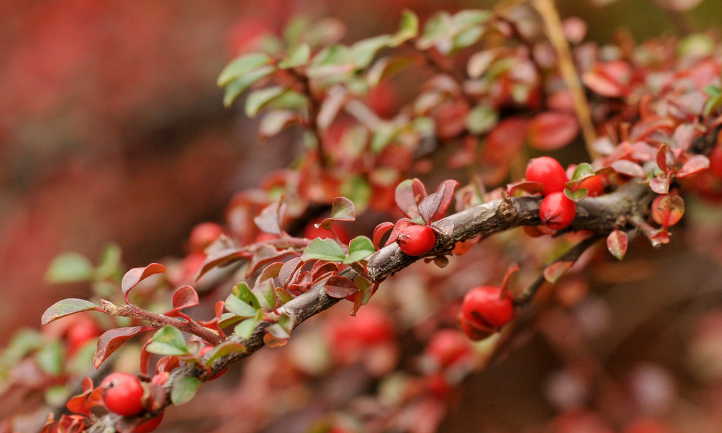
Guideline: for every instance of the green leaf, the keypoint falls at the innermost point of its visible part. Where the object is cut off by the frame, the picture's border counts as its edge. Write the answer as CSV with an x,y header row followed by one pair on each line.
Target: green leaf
x,y
56,395
110,263
82,360
238,307
298,56
359,248
714,101
470,17
66,307
23,342
184,389
69,268
223,349
242,66
383,136
582,171
260,98
244,293
240,84
324,249
50,358
576,195
438,27
467,37
357,189
408,28
363,51
481,119
168,340
246,328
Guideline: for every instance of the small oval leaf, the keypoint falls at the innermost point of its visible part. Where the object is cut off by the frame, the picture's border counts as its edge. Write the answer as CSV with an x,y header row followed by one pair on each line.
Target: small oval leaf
x,y
66,307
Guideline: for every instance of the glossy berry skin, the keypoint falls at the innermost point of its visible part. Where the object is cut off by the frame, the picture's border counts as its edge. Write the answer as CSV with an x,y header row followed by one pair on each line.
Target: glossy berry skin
x,y
203,235
148,425
123,394
557,211
448,347
548,172
416,240
484,311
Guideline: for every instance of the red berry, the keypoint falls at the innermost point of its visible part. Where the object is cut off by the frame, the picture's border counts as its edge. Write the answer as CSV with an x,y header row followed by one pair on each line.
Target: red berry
x,y
80,332
351,335
416,240
123,394
149,425
557,211
203,235
447,347
548,172
485,310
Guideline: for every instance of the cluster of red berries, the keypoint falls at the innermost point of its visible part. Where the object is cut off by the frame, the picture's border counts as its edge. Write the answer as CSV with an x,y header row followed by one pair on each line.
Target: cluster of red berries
x,y
123,395
556,210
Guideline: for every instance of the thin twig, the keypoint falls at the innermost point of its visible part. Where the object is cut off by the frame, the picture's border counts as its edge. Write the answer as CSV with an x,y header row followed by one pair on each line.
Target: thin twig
x,y
553,26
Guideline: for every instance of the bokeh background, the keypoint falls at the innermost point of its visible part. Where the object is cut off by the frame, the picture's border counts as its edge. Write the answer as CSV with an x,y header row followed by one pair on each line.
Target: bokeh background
x,y
112,130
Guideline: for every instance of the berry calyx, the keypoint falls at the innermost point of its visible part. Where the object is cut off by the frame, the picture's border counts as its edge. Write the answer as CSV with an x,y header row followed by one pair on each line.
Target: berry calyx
x,y
557,211
548,172
484,311
416,239
447,347
149,425
123,394
203,235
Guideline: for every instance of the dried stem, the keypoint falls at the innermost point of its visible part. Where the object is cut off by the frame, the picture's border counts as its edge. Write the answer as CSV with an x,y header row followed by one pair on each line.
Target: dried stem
x,y
553,26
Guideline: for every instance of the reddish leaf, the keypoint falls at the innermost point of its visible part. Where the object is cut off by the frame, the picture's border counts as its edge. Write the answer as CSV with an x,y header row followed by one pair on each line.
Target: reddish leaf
x,y
275,336
340,287
609,79
288,269
408,195
552,130
667,210
628,168
220,253
434,206
663,157
112,339
134,276
380,231
271,217
617,243
183,297
84,402
342,210
516,188
694,165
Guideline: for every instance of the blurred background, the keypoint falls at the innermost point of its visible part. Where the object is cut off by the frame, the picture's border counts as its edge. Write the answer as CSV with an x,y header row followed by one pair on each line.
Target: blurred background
x,y
112,130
